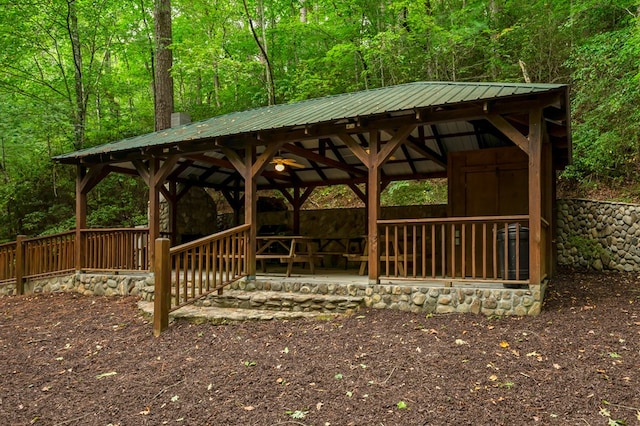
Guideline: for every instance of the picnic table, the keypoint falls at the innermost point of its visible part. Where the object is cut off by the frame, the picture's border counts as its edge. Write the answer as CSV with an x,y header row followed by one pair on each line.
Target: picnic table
x,y
287,249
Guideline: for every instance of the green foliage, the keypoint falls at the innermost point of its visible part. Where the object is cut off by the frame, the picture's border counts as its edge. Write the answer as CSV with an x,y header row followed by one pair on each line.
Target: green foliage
x,y
315,49
606,117
588,248
408,193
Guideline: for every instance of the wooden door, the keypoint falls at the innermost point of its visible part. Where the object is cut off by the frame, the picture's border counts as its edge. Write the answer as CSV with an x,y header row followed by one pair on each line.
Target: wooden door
x,y
491,182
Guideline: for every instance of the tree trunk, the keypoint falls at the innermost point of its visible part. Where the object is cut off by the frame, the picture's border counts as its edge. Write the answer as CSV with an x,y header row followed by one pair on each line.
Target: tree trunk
x,y
271,89
163,83
80,113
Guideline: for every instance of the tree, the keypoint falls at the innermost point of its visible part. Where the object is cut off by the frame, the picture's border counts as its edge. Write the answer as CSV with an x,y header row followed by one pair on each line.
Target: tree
x,y
163,83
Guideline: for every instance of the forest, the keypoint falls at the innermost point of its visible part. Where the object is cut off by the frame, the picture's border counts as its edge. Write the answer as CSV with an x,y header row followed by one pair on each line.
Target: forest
x,y
79,73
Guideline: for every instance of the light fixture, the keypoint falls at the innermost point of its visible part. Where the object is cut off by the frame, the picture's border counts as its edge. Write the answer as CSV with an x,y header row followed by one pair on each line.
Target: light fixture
x,y
279,167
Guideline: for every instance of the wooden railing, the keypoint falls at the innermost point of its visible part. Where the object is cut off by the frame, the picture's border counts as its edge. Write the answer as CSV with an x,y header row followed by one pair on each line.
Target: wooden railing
x,y
488,248
188,272
7,262
52,254
121,249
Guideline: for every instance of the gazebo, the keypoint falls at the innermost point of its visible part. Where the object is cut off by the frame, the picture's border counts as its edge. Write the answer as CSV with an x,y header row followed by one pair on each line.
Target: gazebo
x,y
498,144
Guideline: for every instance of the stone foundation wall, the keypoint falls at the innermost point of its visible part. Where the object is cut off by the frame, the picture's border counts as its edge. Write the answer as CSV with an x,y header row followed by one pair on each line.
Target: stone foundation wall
x,y
87,284
412,298
599,235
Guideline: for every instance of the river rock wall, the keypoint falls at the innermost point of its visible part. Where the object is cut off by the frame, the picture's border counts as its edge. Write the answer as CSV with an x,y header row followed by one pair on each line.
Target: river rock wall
x,y
598,235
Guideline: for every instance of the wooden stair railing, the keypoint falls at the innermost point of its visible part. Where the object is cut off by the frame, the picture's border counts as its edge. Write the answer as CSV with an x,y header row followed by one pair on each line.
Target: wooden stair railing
x,y
191,271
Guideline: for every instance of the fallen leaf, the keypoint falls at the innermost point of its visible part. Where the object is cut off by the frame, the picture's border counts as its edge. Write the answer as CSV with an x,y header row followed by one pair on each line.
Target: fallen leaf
x,y
110,373
504,344
146,411
461,342
493,377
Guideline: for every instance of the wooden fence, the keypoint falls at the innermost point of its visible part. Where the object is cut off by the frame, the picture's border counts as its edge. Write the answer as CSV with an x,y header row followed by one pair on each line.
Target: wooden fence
x,y
120,249
7,263
117,249
489,248
193,270
52,254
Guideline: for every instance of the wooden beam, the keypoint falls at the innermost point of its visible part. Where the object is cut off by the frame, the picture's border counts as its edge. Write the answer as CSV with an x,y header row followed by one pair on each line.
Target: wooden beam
x,y
164,170
426,152
235,160
310,155
509,131
355,147
142,169
358,192
219,162
264,158
396,140
93,176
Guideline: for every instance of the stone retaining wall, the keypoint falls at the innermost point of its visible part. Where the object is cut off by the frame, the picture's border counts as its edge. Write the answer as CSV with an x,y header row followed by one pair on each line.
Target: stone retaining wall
x,y
309,297
87,284
410,297
598,235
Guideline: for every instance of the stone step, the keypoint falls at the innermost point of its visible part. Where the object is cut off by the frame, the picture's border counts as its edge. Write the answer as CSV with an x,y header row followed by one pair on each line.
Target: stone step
x,y
283,301
224,315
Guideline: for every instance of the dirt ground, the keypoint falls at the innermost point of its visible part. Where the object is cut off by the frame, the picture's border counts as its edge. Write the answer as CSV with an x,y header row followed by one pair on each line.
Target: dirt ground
x,y
67,359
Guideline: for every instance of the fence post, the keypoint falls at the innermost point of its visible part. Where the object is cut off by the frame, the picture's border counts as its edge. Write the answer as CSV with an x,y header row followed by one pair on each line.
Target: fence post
x,y
162,291
20,264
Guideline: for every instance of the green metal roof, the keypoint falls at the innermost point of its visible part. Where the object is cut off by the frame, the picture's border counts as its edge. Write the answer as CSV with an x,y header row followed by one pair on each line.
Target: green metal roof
x,y
320,110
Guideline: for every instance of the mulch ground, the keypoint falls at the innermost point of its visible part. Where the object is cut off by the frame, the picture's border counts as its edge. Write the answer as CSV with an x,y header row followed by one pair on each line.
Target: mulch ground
x,y
67,359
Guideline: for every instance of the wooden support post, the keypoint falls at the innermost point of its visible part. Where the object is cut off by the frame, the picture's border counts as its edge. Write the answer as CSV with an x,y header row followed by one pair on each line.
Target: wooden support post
x,y
373,207
162,290
535,196
81,216
173,210
154,211
250,210
20,264
296,210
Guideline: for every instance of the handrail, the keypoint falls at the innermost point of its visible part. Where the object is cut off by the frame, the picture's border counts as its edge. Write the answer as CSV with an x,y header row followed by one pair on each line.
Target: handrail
x,y
208,264
469,219
480,248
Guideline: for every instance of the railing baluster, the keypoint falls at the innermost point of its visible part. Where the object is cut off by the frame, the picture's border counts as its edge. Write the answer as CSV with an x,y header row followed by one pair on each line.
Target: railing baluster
x,y
473,250
457,247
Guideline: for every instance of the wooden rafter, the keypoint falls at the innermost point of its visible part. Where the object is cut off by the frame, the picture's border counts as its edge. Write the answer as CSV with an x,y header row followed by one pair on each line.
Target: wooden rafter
x,y
510,131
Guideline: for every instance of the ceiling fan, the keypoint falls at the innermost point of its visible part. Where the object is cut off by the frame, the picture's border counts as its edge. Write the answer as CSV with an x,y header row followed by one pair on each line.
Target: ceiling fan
x,y
281,163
